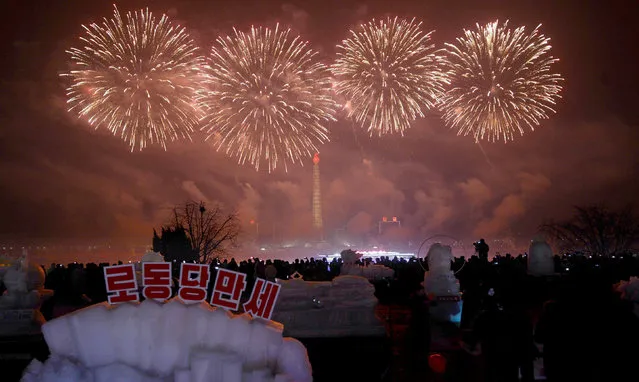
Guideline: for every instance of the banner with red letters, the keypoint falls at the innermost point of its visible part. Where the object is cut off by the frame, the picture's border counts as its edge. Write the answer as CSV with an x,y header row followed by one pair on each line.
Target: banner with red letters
x,y
228,286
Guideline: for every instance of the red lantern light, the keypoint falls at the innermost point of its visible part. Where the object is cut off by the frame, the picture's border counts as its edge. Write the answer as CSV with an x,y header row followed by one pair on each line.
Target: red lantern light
x,y
437,363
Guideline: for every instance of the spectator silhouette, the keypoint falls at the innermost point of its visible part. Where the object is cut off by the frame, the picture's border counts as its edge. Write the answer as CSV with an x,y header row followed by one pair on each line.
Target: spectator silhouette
x,y
506,337
419,327
587,332
482,249
587,336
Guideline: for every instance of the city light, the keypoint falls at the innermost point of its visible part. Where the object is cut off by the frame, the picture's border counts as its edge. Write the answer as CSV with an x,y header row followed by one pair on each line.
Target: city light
x,y
373,255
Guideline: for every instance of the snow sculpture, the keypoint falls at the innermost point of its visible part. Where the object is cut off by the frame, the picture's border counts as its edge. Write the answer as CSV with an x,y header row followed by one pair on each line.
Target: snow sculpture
x,y
339,308
149,257
154,342
349,258
441,284
540,258
152,257
20,303
630,291
440,280
371,272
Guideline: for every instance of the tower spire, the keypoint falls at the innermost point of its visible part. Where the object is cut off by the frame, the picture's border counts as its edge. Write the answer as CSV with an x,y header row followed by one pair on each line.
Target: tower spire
x,y
318,223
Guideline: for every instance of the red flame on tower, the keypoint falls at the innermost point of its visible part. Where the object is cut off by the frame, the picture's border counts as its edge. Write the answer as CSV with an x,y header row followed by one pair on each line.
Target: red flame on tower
x,y
316,158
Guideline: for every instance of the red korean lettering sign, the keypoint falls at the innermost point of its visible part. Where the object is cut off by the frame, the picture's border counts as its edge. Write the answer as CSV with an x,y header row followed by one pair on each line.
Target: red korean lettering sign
x,y
228,289
262,299
121,284
194,280
156,279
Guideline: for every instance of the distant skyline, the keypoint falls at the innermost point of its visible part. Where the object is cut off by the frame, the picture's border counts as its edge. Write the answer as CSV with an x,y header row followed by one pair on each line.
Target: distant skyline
x,y
61,180
65,254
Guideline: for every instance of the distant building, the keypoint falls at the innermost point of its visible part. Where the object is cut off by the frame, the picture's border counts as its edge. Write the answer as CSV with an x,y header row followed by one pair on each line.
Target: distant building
x,y
318,224
388,223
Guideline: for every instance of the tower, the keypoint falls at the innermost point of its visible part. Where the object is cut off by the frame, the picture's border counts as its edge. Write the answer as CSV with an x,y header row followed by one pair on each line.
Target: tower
x,y
317,198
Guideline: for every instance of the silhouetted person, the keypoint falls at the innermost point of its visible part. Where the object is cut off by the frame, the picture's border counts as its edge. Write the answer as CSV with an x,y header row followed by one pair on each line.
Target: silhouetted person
x,y
419,328
506,337
482,249
587,336
232,265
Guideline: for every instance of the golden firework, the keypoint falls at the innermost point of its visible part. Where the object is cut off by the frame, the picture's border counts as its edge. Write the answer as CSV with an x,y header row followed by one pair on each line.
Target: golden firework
x,y
500,82
389,74
270,98
137,76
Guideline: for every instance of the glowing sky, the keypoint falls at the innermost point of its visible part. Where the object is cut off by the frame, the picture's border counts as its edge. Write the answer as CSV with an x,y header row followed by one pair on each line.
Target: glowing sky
x,y
60,179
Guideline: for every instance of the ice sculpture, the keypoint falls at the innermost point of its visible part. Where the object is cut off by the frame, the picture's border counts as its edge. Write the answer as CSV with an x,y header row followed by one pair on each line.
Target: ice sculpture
x,y
152,257
167,342
440,280
349,256
630,291
339,308
441,285
20,303
149,257
371,272
540,258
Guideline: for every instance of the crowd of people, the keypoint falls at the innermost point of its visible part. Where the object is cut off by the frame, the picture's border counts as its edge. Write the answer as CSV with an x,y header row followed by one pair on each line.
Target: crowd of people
x,y
588,333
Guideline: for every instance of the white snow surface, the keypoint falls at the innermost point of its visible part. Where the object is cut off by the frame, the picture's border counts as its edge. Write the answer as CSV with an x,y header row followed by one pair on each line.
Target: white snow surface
x,y
167,342
372,272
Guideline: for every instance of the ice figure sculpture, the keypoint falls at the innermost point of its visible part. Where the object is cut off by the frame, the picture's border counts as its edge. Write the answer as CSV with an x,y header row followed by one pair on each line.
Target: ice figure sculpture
x,y
630,291
540,258
149,257
371,272
349,260
20,303
440,280
441,285
167,342
152,257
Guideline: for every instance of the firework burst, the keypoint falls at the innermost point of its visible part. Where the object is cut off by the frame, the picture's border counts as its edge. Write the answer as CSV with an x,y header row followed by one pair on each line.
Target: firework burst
x,y
137,76
500,82
389,74
270,98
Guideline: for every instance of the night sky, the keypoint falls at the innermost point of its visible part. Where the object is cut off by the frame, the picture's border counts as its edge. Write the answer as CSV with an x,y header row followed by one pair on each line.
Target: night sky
x,y
61,179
